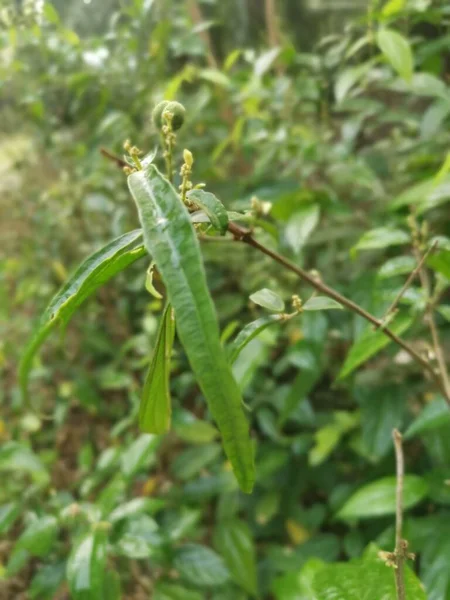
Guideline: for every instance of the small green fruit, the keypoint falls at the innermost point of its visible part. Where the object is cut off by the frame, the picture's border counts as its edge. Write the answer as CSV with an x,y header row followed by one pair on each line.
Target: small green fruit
x,y
157,113
178,112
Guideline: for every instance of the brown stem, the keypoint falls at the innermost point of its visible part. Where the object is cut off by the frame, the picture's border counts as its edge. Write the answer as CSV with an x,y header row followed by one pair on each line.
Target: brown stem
x,y
408,282
401,545
197,17
119,161
244,235
273,33
429,315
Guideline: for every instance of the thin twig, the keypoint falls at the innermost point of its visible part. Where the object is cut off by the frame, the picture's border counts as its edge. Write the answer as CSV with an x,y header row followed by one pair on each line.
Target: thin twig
x,y
119,161
197,17
244,235
401,545
273,33
408,282
429,315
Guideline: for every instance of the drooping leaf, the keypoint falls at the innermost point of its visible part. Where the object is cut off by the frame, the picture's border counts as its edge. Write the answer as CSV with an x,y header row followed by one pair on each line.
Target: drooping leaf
x,y
249,332
234,541
379,497
397,50
322,303
170,237
201,566
268,299
86,566
370,343
155,409
90,275
213,208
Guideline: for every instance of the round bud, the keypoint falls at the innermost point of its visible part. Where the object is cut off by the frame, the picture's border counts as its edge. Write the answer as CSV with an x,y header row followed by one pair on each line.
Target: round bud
x,y
178,112
157,113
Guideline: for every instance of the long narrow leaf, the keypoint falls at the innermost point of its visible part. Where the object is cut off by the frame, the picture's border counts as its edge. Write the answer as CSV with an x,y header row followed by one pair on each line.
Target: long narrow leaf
x,y
89,276
249,332
170,238
155,409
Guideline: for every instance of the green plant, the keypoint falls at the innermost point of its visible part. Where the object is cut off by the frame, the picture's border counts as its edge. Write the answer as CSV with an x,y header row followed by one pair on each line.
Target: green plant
x,y
320,155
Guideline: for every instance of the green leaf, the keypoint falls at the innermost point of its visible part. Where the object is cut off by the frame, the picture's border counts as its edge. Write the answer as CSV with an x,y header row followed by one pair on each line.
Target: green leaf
x,y
196,432
213,208
165,590
298,585
141,452
433,416
327,438
400,265
234,541
90,275
440,262
445,311
39,537
424,195
46,581
201,566
156,409
170,237
369,578
249,332
188,464
300,226
8,515
322,303
370,343
149,283
382,409
397,50
17,457
392,7
268,299
86,566
378,498
382,237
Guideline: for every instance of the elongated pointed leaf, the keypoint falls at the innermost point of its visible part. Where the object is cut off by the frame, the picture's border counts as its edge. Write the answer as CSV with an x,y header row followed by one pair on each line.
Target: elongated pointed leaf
x,y
170,237
370,343
397,50
90,275
249,332
87,565
379,497
235,543
212,206
155,410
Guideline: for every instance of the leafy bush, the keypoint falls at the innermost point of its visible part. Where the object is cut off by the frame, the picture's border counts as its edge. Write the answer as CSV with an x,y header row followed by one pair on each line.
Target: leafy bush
x,y
330,164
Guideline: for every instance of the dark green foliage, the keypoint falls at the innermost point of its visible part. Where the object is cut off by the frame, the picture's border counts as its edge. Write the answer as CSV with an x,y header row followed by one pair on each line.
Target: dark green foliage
x,y
323,149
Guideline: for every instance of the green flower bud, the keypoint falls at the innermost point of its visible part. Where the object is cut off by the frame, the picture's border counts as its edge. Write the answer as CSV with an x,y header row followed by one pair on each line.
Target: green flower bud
x,y
178,112
157,113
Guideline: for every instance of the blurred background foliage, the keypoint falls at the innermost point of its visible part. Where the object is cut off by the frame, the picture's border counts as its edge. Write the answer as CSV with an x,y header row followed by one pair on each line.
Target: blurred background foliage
x,y
292,104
